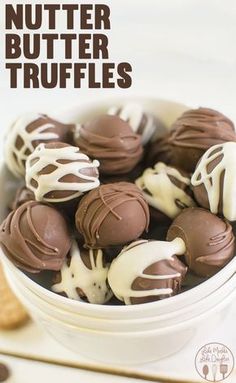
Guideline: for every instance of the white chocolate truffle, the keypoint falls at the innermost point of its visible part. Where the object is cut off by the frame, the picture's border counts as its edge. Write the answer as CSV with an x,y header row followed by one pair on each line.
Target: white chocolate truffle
x,y
84,276
214,180
58,172
26,133
166,189
141,122
147,269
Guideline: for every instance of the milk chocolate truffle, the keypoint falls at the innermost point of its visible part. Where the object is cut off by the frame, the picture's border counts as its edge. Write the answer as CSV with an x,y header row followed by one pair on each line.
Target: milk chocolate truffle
x,y
141,122
196,131
28,132
147,271
112,141
209,240
166,189
35,237
58,172
214,180
112,214
23,195
83,276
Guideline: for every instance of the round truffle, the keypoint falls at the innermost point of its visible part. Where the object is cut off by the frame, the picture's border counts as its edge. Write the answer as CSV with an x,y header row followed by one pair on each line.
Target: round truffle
x,y
23,194
141,122
58,172
112,141
35,237
166,189
147,271
28,132
209,240
112,214
196,131
214,180
83,276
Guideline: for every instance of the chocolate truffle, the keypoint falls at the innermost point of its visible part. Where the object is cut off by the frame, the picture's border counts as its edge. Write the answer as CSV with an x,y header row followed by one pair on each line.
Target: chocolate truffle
x,y
23,195
58,172
112,141
147,271
141,122
158,150
166,189
214,180
209,240
112,214
196,131
35,237
83,276
26,133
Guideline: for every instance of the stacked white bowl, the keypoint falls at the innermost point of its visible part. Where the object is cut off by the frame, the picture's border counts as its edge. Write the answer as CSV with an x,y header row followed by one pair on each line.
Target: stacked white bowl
x,y
122,334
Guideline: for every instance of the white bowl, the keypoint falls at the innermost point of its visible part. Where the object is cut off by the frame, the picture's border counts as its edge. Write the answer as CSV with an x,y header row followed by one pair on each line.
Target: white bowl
x,y
127,347
32,301
111,338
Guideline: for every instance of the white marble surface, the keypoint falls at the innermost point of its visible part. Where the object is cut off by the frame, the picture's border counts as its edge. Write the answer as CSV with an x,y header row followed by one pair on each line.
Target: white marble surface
x,y
182,50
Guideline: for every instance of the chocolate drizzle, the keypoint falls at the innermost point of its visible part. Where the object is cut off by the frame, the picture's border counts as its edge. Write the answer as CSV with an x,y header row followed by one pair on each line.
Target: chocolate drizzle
x,y
214,181
150,271
166,189
27,133
221,237
35,244
210,242
109,210
107,205
110,140
226,239
201,128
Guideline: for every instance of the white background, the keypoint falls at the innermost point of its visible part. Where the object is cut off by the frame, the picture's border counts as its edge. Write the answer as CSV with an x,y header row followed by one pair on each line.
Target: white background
x,y
182,50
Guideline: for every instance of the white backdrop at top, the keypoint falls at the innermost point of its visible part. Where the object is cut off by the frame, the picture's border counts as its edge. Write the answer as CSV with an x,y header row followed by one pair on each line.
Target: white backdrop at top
x,y
184,50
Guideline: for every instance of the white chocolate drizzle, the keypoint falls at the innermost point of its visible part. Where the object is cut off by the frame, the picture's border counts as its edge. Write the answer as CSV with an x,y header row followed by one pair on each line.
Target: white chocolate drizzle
x,y
93,282
15,158
161,193
133,113
134,259
212,180
42,157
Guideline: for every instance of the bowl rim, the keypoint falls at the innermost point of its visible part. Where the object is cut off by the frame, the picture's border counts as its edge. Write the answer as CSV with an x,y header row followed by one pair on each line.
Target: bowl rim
x,y
175,327
177,314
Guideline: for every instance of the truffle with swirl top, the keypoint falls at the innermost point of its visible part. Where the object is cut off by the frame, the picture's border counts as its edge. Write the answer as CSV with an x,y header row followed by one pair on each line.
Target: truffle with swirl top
x,y
58,172
112,214
147,271
35,237
83,276
112,141
196,131
28,132
214,180
166,189
209,240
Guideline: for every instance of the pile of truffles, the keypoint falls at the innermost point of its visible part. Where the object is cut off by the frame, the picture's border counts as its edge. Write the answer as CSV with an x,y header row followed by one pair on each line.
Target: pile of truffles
x,y
121,209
